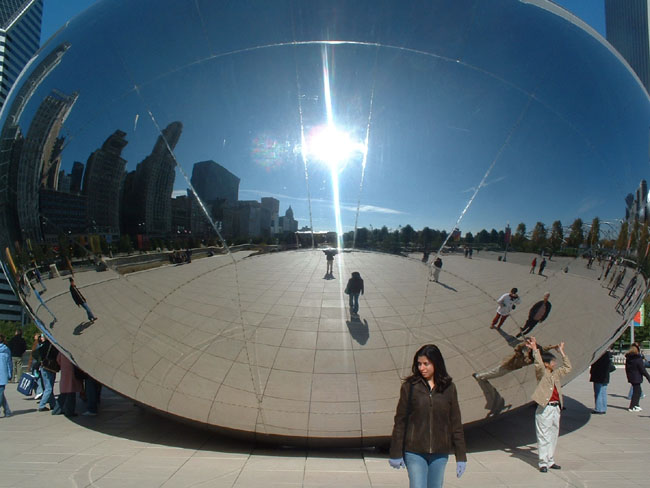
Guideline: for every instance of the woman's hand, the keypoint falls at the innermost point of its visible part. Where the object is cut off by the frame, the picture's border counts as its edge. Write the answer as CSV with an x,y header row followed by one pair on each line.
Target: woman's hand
x,y
460,468
397,463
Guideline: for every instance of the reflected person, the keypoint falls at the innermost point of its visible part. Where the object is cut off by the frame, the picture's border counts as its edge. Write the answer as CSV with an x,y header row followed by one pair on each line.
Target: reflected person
x,y
436,268
428,424
354,289
538,313
80,300
507,303
522,356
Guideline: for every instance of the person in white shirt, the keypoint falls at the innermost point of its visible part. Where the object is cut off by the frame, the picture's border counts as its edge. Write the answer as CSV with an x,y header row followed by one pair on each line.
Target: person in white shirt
x,y
506,303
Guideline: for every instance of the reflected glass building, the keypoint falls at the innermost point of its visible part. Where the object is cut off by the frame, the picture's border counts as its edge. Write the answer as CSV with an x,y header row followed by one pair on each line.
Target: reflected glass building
x,y
20,38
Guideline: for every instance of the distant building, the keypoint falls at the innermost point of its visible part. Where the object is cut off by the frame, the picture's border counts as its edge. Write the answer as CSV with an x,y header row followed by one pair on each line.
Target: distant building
x,y
626,23
181,214
272,205
637,206
76,176
63,213
10,307
242,220
147,194
214,182
39,159
288,223
64,182
102,182
20,38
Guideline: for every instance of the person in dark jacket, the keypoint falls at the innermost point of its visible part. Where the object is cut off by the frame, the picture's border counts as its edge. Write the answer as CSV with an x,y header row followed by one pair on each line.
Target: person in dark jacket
x,y
18,346
537,314
599,376
80,300
635,371
47,355
428,424
354,289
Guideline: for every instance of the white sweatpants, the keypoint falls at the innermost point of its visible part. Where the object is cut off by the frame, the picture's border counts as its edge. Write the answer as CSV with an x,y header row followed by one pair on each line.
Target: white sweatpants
x,y
547,428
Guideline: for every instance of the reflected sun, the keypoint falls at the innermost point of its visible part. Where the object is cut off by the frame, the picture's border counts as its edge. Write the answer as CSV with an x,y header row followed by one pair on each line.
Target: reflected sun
x,y
332,146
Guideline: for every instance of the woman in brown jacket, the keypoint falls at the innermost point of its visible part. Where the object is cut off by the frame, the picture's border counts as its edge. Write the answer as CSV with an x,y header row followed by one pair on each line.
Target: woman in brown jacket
x,y
428,425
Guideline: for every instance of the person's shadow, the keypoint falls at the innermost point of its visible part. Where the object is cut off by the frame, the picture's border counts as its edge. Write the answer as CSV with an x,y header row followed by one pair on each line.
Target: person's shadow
x,y
494,402
328,276
358,329
450,288
510,339
78,330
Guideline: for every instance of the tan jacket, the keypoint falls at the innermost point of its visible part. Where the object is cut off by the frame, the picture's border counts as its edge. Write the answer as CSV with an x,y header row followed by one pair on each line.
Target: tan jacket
x,y
547,380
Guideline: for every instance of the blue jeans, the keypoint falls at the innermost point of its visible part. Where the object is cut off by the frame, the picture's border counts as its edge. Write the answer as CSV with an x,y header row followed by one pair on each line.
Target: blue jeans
x,y
3,401
89,312
425,470
600,396
48,389
354,302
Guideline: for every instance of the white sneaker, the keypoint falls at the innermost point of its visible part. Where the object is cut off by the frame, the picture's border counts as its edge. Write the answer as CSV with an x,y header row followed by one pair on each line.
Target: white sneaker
x,y
635,409
38,397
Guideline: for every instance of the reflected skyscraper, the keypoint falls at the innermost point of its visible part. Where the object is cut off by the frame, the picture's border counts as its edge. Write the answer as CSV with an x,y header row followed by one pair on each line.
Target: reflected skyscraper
x,y
20,36
39,157
76,177
148,190
627,30
11,140
102,181
214,182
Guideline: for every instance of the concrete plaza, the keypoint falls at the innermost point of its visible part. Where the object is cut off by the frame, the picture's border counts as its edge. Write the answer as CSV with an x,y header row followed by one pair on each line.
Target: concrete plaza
x,y
126,446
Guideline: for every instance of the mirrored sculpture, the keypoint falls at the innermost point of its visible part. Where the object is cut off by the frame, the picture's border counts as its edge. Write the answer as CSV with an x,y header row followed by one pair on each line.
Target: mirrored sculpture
x,y
198,174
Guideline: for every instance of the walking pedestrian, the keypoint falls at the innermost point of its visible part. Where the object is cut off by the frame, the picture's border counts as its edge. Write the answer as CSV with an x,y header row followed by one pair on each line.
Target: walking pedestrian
x,y
428,424
548,396
354,289
17,346
507,303
47,354
635,371
69,386
542,265
329,257
436,268
34,365
80,300
533,264
6,367
538,313
599,376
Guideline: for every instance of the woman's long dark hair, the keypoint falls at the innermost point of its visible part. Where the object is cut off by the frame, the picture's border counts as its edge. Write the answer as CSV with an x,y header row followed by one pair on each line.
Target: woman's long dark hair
x,y
440,376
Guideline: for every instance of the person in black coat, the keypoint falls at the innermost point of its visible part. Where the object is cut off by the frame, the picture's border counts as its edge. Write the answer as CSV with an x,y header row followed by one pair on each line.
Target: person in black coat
x,y
537,314
354,289
635,371
599,376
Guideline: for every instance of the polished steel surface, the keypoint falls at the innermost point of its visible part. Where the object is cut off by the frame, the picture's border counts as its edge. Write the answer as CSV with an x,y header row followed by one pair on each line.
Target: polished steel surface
x,y
359,119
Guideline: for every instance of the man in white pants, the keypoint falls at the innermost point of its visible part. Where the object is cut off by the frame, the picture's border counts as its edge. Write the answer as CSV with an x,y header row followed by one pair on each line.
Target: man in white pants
x,y
548,396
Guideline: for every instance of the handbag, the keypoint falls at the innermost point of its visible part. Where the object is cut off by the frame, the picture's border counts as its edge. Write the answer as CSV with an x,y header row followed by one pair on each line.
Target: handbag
x,y
26,384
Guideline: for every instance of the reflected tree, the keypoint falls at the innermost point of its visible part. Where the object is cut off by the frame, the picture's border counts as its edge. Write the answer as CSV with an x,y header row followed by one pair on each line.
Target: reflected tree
x,y
557,236
594,233
621,242
538,238
576,235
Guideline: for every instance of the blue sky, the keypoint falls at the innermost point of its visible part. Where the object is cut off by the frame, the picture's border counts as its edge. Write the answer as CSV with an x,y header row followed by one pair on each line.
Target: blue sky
x,y
442,156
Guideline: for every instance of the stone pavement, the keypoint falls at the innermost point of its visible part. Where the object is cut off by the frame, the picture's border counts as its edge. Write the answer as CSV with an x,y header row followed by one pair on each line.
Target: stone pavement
x,y
127,446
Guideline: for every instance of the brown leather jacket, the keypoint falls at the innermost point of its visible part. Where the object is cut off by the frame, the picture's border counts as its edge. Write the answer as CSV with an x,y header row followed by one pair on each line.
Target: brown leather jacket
x,y
434,424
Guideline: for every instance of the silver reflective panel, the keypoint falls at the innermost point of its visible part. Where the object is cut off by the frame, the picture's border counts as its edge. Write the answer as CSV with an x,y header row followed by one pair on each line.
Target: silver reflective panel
x,y
197,166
